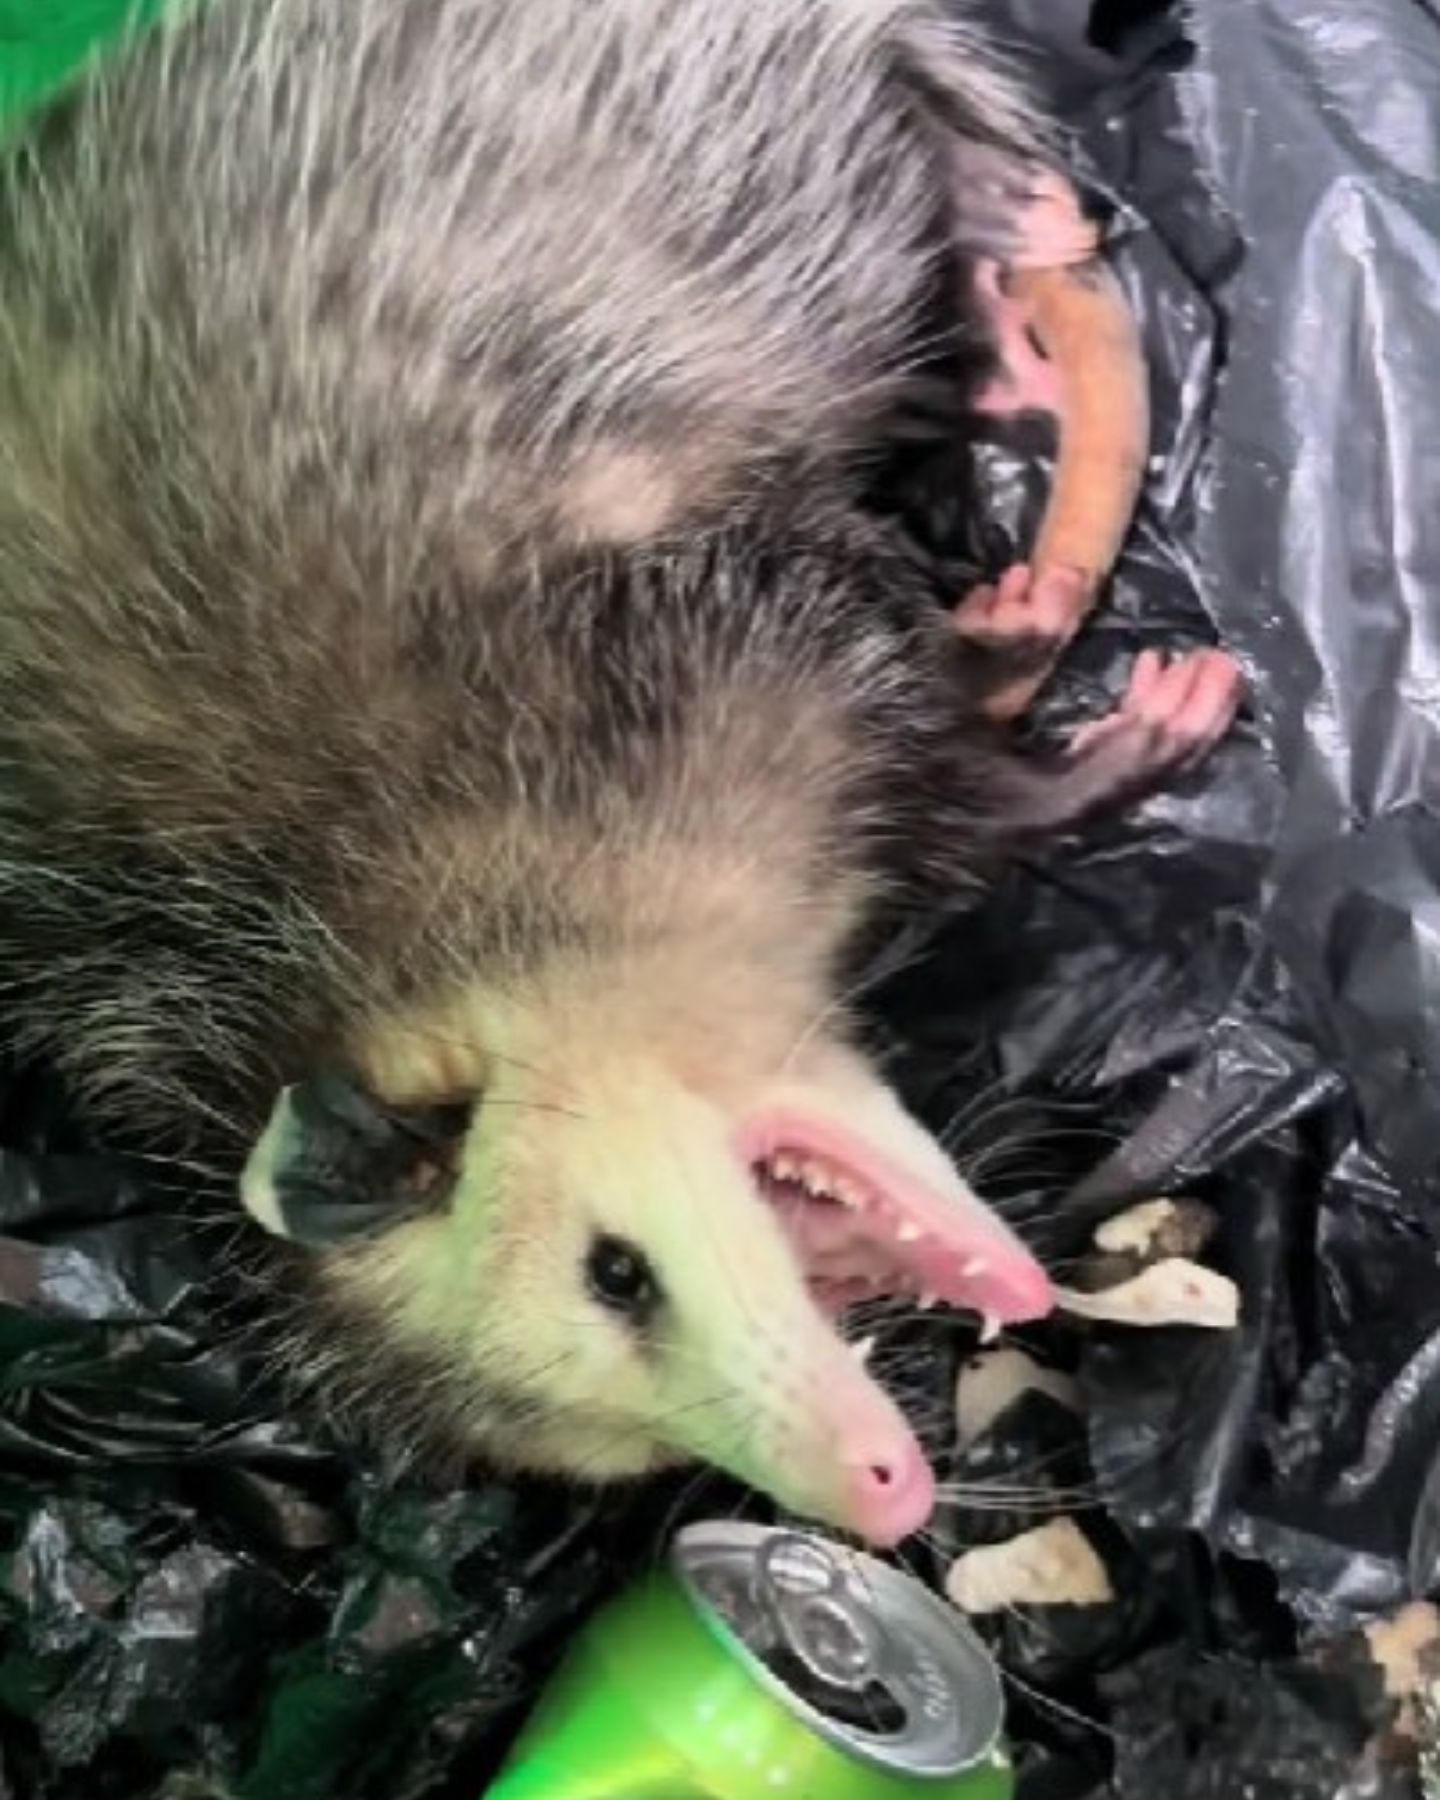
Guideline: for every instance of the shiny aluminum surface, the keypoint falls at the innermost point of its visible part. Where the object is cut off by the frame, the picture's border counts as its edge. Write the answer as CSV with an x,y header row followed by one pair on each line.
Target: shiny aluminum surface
x,y
895,1677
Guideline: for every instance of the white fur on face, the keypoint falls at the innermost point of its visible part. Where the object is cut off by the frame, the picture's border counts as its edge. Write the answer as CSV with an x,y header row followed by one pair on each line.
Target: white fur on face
x,y
739,1366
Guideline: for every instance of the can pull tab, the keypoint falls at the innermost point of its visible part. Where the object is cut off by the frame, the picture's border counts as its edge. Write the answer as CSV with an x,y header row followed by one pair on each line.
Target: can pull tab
x,y
804,1591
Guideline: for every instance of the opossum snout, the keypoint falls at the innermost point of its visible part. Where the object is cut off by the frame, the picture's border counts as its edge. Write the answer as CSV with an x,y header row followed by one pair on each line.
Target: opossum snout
x,y
875,1480
891,1498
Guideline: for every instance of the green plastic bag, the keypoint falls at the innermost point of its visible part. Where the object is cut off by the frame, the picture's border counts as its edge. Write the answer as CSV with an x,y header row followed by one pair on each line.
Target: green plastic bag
x,y
45,43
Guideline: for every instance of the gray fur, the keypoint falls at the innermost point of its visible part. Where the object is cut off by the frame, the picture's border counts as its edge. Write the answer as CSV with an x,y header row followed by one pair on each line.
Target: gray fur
x,y
305,318
336,337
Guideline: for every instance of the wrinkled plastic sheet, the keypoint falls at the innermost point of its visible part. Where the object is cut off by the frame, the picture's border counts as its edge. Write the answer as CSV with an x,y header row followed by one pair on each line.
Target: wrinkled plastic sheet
x,y
1234,993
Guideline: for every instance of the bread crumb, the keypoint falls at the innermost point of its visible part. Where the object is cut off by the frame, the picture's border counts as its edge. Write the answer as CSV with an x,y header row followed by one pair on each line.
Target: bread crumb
x,y
1174,1292
1054,1565
991,1383
1399,1647
1134,1231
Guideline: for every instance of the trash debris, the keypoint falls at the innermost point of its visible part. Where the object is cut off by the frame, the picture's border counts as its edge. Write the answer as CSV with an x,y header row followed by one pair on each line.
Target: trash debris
x,y
992,1382
1232,995
1143,1271
1156,1229
1173,1292
1053,1565
1406,1650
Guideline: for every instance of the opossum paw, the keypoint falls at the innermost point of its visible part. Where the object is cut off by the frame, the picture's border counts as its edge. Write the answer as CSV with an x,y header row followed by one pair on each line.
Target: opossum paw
x,y
1023,625
1172,715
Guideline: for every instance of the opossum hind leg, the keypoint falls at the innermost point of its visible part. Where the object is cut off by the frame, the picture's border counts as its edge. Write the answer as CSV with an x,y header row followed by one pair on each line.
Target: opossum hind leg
x,y
1068,345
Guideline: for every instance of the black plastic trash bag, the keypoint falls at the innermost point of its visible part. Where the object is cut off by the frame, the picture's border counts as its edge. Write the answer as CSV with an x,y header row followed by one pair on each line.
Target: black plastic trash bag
x,y
1234,994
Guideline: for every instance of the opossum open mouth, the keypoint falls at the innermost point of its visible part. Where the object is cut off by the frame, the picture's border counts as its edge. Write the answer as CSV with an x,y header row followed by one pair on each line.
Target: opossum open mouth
x,y
866,1230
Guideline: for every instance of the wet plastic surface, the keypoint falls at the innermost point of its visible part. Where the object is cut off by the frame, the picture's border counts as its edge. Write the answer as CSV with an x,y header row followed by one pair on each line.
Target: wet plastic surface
x,y
1234,993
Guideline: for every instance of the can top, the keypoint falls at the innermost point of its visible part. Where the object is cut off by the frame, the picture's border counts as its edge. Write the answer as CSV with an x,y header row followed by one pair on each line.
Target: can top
x,y
864,1655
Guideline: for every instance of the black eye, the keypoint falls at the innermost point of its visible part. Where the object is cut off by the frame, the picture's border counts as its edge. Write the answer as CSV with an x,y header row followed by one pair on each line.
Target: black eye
x,y
621,1278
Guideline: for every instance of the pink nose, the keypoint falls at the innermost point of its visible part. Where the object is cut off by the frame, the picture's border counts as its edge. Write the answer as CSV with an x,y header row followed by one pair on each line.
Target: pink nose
x,y
891,1494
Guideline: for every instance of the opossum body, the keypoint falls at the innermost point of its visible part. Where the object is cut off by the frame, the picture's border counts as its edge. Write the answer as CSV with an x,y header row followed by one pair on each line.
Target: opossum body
x,y
456,720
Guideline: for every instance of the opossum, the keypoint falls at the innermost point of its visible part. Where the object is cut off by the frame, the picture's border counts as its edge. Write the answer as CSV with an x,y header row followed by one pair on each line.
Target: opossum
x,y
459,720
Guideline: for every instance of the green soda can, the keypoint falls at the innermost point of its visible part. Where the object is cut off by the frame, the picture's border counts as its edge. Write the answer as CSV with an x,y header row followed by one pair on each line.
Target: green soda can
x,y
768,1662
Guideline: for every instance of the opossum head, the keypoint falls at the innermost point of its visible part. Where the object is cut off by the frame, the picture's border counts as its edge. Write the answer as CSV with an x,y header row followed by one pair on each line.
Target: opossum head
x,y
639,1200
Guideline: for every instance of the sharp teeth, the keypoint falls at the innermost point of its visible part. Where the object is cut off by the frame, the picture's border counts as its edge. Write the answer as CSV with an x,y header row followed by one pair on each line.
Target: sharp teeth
x,y
815,1181
927,1300
989,1328
818,1179
906,1232
861,1351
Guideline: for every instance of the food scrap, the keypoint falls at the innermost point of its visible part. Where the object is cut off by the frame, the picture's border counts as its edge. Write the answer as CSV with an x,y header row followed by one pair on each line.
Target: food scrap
x,y
1144,1271
1053,1565
991,1383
